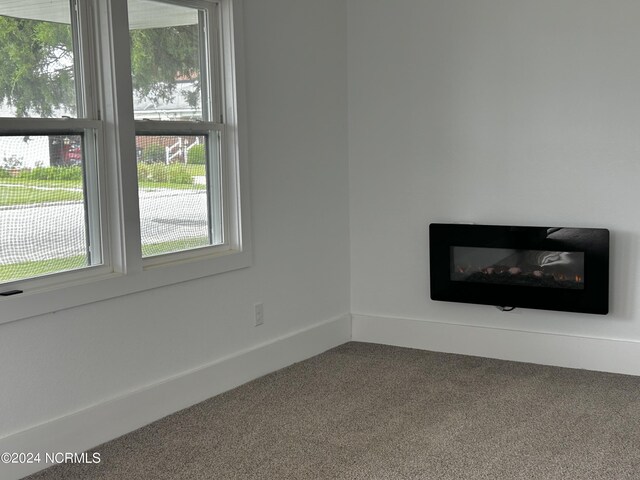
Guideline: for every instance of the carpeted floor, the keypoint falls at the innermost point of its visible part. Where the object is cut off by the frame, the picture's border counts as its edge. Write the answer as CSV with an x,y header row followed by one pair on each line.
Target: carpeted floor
x,y
363,411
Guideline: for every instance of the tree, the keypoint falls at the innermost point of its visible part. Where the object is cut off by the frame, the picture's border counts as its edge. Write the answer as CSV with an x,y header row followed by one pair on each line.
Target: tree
x,y
37,75
37,67
161,56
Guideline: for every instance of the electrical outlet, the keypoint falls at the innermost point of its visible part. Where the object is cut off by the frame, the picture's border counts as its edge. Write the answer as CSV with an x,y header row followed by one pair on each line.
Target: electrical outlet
x,y
259,311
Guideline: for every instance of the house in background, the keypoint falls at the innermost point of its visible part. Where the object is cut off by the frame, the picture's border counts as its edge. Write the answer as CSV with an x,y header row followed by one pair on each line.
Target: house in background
x,y
366,121
64,150
29,151
25,152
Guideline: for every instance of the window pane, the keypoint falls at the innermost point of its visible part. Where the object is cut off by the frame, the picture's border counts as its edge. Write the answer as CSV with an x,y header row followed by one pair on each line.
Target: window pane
x,y
175,211
166,61
43,227
37,75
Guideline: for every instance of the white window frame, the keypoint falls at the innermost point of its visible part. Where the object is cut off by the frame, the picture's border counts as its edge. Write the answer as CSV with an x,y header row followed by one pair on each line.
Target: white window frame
x,y
124,270
212,124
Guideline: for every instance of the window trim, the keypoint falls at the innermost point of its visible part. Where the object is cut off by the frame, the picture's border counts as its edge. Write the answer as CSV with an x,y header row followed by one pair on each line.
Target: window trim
x,y
127,272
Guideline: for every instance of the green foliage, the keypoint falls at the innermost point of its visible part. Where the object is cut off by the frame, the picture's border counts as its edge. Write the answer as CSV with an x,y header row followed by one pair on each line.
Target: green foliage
x,y
37,68
159,56
158,173
4,173
197,155
53,173
153,154
11,162
37,75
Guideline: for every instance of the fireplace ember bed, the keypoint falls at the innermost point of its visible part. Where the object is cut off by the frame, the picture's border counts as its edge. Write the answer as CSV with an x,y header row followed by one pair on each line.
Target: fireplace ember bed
x,y
550,268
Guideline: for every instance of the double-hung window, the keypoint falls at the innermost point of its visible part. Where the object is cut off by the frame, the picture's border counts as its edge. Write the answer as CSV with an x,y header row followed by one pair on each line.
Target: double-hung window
x,y
179,125
51,205
120,165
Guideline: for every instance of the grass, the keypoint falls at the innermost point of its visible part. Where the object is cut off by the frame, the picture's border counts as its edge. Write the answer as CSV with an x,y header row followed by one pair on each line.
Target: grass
x,y
174,246
28,182
170,186
21,195
17,271
25,191
196,170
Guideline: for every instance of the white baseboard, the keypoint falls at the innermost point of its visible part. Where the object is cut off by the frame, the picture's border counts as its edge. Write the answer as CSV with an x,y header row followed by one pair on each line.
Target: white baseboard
x,y
105,421
606,355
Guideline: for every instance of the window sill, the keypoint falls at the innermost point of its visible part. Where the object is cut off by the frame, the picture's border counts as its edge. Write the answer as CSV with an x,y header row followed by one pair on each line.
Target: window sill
x,y
106,286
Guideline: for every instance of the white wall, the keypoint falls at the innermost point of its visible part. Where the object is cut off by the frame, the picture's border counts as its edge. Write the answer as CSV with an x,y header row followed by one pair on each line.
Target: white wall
x,y
295,56
499,112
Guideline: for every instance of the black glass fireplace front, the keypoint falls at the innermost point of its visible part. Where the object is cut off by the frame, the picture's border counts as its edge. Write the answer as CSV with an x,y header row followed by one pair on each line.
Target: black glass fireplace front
x,y
548,268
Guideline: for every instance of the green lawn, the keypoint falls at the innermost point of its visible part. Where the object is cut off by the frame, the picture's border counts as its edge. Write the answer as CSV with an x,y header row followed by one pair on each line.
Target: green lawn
x,y
24,195
196,170
24,191
174,246
17,271
170,186
28,182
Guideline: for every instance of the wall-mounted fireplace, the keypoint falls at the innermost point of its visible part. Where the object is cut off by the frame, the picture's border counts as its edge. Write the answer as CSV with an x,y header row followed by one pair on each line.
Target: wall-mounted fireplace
x,y
551,268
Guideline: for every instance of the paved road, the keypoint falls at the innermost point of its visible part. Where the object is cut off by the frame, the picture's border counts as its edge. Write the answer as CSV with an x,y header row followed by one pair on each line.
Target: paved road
x,y
29,233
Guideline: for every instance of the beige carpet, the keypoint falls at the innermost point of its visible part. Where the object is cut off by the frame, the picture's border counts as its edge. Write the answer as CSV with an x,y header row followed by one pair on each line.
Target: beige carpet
x,y
363,411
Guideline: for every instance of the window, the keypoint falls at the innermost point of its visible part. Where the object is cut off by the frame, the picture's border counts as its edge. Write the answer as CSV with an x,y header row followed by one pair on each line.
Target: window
x,y
178,125
50,212
120,165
